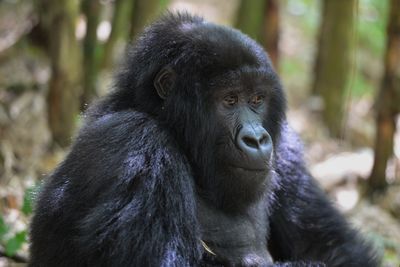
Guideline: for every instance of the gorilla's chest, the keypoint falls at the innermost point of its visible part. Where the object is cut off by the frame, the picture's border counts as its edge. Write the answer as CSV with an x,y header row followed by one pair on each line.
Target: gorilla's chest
x,y
235,239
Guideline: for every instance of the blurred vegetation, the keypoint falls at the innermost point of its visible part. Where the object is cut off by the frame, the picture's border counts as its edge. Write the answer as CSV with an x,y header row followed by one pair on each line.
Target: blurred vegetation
x,y
12,241
387,104
371,36
371,28
334,62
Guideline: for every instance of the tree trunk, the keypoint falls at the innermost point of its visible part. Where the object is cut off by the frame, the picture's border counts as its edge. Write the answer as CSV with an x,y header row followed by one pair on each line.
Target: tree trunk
x,y
63,96
91,8
271,31
121,15
144,11
388,100
334,62
250,18
260,20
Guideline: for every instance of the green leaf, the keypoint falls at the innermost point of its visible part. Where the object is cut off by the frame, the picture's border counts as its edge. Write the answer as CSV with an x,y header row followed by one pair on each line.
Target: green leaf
x,y
27,204
3,228
15,243
29,199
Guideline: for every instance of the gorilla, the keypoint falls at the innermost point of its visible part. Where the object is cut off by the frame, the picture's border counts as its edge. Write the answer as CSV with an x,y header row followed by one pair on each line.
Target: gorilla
x,y
189,161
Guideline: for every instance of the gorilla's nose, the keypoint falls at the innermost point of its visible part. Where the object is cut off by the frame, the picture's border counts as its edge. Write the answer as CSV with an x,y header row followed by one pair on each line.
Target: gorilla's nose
x,y
255,142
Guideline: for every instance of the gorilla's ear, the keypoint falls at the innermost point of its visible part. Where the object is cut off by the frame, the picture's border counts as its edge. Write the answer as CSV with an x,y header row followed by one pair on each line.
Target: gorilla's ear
x,y
164,82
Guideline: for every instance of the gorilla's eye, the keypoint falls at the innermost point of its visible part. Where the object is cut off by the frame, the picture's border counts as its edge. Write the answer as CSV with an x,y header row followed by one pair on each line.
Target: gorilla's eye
x,y
257,100
230,100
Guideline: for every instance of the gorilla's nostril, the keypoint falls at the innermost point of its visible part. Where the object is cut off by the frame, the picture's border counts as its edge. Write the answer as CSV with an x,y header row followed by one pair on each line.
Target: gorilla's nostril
x,y
250,141
255,142
264,140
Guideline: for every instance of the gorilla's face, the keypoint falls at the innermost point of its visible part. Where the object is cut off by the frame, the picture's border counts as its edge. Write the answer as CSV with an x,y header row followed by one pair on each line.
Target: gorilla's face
x,y
227,120
244,146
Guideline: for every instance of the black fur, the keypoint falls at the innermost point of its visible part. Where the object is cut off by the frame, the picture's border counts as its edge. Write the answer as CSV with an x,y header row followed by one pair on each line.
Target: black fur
x,y
130,192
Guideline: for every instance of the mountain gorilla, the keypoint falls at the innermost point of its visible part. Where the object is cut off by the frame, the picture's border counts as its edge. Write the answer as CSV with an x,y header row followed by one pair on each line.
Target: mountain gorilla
x,y
189,162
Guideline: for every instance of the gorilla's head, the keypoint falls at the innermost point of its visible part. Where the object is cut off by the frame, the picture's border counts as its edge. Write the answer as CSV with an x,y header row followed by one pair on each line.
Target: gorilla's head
x,y
215,90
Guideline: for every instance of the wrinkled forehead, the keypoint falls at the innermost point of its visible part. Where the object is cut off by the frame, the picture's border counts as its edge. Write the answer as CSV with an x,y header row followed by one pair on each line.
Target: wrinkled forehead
x,y
245,77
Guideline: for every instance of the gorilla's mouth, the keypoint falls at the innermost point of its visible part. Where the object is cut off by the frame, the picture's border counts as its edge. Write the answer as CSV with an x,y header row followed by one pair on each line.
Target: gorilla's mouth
x,y
249,169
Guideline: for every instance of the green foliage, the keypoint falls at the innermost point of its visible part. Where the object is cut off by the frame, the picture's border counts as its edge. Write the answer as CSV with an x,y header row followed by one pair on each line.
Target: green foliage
x,y
361,86
13,244
307,13
372,21
371,34
388,248
29,199
163,4
292,67
3,228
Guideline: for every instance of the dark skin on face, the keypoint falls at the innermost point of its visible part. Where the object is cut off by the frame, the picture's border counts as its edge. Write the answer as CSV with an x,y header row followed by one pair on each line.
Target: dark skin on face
x,y
244,148
239,110
240,106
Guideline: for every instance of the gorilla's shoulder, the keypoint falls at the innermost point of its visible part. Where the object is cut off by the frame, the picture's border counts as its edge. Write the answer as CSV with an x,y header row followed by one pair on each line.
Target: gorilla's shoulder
x,y
113,138
129,127
132,140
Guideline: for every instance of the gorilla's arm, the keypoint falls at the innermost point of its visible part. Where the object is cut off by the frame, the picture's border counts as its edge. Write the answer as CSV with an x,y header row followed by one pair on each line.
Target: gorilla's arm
x,y
304,224
123,197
